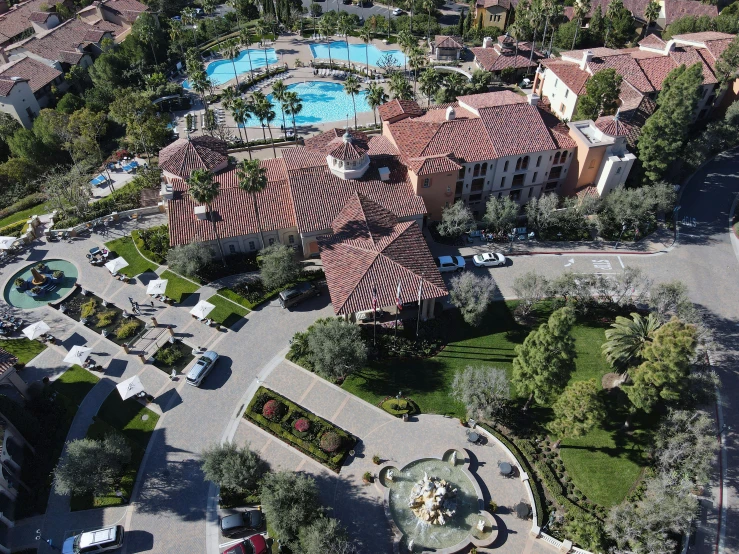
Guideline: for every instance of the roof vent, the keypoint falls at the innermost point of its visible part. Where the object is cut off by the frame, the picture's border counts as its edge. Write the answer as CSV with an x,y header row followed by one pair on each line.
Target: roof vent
x,y
384,173
587,57
533,99
450,113
16,78
201,212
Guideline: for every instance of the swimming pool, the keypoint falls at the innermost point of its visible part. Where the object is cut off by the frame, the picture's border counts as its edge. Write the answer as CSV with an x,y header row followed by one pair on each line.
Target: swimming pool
x,y
222,71
356,53
322,102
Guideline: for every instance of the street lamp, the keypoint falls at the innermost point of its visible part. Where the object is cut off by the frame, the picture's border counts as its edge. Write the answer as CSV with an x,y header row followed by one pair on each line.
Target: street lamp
x,y
623,229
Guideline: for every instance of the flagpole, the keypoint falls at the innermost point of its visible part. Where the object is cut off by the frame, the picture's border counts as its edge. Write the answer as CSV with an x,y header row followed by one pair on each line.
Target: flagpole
x,y
374,315
397,308
418,317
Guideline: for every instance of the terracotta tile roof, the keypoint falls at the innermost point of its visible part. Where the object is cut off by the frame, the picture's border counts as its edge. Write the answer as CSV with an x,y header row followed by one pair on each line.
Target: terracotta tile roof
x,y
444,41
714,49
412,136
675,9
630,121
433,164
689,56
437,114
275,169
559,132
301,158
656,69
381,146
6,85
625,66
703,36
492,60
324,143
128,9
530,134
587,191
17,19
464,138
652,41
569,73
394,108
491,99
347,151
72,58
37,73
598,52
7,362
184,155
371,251
39,17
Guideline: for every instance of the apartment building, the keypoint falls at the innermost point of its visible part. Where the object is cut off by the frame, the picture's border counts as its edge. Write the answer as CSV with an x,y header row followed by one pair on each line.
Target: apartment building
x,y
494,13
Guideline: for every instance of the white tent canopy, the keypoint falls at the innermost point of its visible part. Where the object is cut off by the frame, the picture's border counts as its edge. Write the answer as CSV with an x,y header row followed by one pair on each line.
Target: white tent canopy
x,y
7,242
35,330
157,286
130,387
114,266
77,355
202,309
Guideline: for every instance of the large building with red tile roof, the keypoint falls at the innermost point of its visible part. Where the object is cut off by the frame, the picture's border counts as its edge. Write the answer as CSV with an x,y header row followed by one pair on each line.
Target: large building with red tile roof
x,y
496,14
25,88
563,80
670,10
505,54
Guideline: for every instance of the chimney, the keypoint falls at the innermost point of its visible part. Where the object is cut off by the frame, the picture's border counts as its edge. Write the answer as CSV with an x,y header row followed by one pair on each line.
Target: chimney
x,y
670,47
587,56
487,42
384,173
3,56
450,113
533,99
201,212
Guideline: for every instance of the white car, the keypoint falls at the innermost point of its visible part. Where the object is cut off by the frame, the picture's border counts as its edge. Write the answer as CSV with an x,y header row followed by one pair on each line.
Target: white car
x,y
489,259
201,368
450,263
398,11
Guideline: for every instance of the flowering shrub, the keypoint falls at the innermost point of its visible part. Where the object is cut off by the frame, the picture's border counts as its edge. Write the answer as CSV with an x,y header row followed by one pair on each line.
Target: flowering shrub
x,y
301,425
273,410
330,442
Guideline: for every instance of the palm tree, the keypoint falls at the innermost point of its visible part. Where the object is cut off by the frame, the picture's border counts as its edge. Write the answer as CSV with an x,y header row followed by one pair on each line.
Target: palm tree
x,y
264,112
627,338
326,28
228,96
345,26
175,34
376,97
651,13
204,189
455,84
429,6
230,51
514,30
365,33
278,93
406,42
261,28
535,15
556,11
581,10
200,83
400,88
188,18
416,59
293,106
430,83
352,86
245,39
252,178
240,111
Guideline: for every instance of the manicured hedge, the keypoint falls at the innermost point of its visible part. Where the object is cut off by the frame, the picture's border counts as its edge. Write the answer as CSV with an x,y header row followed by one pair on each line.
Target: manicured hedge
x,y
307,442
14,229
28,202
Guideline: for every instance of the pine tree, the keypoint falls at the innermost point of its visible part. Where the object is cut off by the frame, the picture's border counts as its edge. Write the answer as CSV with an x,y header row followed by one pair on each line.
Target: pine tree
x,y
578,410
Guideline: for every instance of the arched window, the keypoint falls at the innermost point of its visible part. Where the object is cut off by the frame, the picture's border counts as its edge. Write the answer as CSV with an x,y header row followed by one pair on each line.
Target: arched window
x,y
484,168
477,170
556,158
525,163
505,166
518,164
564,157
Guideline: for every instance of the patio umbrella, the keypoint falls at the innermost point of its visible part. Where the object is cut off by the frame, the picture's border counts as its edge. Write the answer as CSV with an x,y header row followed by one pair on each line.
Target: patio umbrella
x,y
130,387
36,330
202,309
7,242
114,266
157,286
77,355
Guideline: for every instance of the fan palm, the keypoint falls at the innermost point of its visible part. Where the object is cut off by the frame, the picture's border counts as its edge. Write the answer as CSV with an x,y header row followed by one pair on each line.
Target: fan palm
x,y
535,17
326,28
455,84
204,189
555,13
416,59
429,6
175,34
651,13
366,35
376,97
262,108
228,96
200,83
345,26
252,179
230,51
430,83
188,18
406,42
400,88
278,93
240,113
293,106
628,337
261,28
245,40
352,87
581,11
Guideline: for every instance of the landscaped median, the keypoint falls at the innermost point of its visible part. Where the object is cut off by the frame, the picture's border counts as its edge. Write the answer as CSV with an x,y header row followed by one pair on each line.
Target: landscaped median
x,y
314,436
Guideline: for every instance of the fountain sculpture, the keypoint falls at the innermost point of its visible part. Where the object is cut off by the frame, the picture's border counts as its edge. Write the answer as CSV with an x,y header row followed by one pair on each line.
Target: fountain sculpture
x,y
433,500
38,279
390,475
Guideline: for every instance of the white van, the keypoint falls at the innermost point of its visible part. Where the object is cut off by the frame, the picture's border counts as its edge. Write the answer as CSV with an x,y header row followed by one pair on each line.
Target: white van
x,y
201,368
100,540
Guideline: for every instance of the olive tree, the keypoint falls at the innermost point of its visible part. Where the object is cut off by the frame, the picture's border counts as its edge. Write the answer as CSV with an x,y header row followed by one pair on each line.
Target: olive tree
x,y
290,503
335,348
455,220
233,468
92,466
190,258
472,294
279,266
325,535
483,390
530,288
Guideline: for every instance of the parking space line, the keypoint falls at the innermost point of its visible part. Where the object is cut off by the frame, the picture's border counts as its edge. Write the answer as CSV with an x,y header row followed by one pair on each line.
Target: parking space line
x,y
621,262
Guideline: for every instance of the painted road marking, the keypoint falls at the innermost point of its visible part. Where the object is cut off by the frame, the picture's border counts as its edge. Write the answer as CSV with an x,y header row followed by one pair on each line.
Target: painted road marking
x,y
689,221
621,262
570,262
602,264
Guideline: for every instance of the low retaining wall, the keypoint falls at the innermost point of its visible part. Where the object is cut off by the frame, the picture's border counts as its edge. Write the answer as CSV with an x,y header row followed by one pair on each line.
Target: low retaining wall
x,y
117,216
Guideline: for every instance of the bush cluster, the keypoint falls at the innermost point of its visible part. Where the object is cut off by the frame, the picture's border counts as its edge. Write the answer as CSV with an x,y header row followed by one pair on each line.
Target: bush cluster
x,y
330,442
127,329
273,410
14,229
153,242
301,425
28,202
105,318
169,355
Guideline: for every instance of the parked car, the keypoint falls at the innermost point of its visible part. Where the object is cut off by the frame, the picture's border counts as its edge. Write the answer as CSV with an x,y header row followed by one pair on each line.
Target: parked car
x,y
297,294
201,368
450,263
398,11
176,18
241,522
253,545
100,540
346,1
489,259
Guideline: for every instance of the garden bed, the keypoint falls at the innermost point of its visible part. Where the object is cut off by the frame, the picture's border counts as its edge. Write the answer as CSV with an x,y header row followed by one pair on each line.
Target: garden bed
x,y
318,438
171,356
100,317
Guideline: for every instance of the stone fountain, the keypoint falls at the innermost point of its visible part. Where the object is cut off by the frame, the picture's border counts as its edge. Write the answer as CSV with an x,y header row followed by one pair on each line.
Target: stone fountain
x,y
433,500
37,279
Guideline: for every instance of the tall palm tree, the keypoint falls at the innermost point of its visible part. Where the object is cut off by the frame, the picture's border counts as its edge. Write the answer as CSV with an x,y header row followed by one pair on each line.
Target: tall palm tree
x,y
376,97
365,33
455,84
175,34
204,189
352,87
345,26
430,83
252,179
293,106
627,338
326,28
514,30
245,40
240,110
535,16
429,6
261,28
400,88
546,8
556,10
230,51
581,10
278,93
189,18
406,42
264,112
228,96
416,60
200,83
651,14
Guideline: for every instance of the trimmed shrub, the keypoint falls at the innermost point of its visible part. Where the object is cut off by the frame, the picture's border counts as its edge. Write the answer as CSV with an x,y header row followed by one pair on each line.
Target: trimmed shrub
x,y
330,441
14,229
28,202
105,318
88,308
302,425
169,355
127,329
273,410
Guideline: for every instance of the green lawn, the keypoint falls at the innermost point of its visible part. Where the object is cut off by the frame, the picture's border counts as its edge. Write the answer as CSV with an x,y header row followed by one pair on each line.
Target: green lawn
x,y
24,349
592,461
126,249
236,297
226,312
75,383
125,417
38,209
177,287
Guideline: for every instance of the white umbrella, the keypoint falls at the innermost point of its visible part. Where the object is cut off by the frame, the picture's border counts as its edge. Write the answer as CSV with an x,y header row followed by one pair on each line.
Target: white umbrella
x,y
157,286
130,387
36,330
77,355
7,242
202,309
114,266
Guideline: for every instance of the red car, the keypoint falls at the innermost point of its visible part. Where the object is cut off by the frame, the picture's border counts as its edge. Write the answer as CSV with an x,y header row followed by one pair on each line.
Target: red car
x,y
253,545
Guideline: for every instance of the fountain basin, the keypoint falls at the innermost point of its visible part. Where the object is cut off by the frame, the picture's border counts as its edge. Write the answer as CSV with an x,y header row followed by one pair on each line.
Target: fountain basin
x,y
51,289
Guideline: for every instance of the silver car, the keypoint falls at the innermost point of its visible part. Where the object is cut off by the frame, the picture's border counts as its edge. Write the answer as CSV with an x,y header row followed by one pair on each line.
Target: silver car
x,y
450,263
201,368
489,259
100,540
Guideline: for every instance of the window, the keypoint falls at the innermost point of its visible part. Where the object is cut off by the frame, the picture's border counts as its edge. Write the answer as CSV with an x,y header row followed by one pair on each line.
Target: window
x,y
446,204
232,248
538,161
448,188
518,164
426,183
484,169
271,241
502,182
556,158
458,189
567,92
562,108
556,172
515,195
461,173
291,239
477,185
252,246
535,174
618,170
706,91
477,170
518,180
564,157
505,166
491,17
556,82
531,191
525,163
497,18
475,197
551,185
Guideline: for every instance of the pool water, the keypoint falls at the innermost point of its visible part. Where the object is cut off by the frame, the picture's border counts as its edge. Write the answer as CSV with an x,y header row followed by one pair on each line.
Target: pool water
x,y
222,71
355,54
26,302
322,101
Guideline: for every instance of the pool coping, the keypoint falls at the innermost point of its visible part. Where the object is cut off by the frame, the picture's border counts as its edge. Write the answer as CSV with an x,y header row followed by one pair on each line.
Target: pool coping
x,y
363,62
58,300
